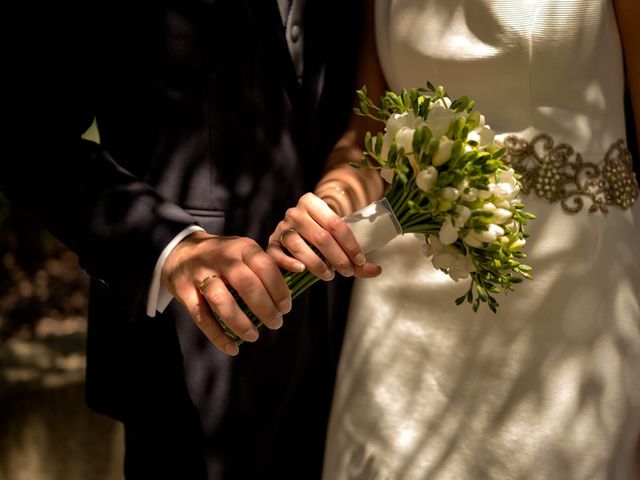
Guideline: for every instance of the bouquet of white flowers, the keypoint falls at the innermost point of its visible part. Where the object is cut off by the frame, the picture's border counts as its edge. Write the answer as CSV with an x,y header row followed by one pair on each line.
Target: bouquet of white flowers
x,y
448,182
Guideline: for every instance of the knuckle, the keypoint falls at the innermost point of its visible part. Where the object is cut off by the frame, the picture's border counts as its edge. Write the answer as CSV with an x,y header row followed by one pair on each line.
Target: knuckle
x,y
246,284
289,216
264,263
306,198
343,265
321,238
336,224
249,243
199,317
317,266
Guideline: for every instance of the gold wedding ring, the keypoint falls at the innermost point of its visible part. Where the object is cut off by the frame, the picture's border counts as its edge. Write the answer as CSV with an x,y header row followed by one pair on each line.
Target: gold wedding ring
x,y
203,283
284,234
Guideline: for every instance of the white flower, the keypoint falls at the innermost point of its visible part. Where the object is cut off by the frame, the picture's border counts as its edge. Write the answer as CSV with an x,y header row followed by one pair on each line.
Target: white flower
x,y
482,136
477,239
444,151
450,193
462,267
442,102
507,187
444,260
462,215
387,174
501,216
387,140
399,120
485,194
471,195
448,258
517,245
439,120
426,179
448,232
404,139
400,127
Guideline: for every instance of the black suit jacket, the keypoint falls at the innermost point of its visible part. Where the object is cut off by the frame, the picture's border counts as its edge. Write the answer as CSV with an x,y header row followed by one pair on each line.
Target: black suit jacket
x,y
202,120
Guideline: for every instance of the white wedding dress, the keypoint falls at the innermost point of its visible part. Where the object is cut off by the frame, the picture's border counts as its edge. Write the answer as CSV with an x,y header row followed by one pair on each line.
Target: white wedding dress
x,y
549,388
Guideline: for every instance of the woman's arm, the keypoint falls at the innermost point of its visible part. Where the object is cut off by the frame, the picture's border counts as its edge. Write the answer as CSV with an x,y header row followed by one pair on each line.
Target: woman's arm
x,y
343,188
628,14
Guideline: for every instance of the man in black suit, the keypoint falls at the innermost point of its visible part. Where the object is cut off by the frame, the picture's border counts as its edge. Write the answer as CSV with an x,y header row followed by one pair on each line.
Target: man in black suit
x,y
213,115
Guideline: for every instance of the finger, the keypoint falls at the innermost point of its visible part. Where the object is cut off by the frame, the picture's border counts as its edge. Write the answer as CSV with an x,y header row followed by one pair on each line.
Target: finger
x,y
301,250
227,310
204,318
368,270
266,269
253,292
337,228
283,260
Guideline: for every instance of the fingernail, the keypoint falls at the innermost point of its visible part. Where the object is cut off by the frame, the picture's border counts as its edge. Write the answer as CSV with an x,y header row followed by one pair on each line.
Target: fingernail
x,y
232,349
349,272
328,275
275,323
299,267
360,259
250,335
285,306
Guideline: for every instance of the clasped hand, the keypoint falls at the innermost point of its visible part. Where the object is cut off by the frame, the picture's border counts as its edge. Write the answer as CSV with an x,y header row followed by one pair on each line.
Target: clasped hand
x,y
202,268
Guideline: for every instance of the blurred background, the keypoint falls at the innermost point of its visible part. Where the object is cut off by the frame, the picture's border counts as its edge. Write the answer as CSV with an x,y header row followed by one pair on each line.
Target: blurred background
x,y
46,430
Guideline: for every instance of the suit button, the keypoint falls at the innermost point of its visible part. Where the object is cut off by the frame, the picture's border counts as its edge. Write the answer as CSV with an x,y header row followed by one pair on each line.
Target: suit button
x,y
295,33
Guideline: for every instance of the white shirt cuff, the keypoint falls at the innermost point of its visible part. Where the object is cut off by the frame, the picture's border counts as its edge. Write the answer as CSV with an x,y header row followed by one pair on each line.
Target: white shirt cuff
x,y
159,297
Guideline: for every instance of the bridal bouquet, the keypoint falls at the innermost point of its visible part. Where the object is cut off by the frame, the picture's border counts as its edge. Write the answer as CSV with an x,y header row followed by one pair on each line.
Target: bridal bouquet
x,y
448,182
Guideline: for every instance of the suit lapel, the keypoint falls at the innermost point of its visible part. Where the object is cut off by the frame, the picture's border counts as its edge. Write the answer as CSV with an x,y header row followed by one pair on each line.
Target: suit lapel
x,y
266,19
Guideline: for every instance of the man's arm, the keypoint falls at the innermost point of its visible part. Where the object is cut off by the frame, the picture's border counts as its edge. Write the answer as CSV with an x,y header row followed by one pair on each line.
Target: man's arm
x,y
116,223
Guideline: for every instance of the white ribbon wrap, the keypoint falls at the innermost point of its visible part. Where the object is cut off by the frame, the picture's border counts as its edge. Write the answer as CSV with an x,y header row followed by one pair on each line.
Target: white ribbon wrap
x,y
374,226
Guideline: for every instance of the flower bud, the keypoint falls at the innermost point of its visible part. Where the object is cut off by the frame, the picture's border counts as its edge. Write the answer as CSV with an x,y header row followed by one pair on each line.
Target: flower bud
x,y
426,179
517,245
444,151
448,233
501,216
450,193
404,139
462,215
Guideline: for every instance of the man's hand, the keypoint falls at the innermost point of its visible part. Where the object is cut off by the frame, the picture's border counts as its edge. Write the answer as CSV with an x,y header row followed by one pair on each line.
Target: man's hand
x,y
198,271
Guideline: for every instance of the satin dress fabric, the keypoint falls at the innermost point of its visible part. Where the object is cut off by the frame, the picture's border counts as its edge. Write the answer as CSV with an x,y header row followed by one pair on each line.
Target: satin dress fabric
x,y
547,388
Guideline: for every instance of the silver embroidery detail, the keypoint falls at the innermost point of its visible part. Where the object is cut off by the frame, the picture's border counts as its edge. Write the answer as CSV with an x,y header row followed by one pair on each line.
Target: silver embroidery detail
x,y
557,173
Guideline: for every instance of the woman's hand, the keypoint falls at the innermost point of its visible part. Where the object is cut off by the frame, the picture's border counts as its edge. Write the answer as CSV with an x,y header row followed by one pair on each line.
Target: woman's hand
x,y
312,223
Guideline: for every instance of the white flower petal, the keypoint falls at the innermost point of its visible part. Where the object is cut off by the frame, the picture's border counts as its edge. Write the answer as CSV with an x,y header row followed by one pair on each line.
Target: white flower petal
x,y
463,214
448,233
426,179
501,216
472,239
444,151
439,120
450,193
443,260
404,139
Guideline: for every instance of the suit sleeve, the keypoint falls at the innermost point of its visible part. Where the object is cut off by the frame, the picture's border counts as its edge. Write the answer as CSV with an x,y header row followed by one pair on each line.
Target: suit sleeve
x,y
116,223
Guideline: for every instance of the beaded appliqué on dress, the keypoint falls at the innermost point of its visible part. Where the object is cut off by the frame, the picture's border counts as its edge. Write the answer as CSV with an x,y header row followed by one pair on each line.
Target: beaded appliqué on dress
x,y
557,173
